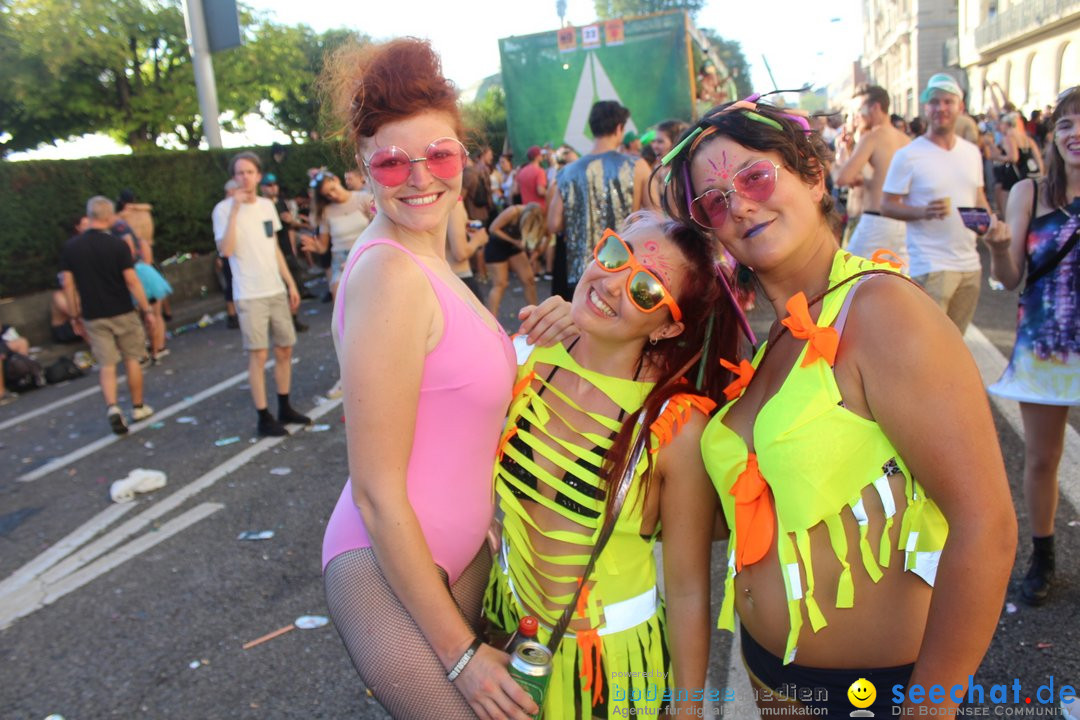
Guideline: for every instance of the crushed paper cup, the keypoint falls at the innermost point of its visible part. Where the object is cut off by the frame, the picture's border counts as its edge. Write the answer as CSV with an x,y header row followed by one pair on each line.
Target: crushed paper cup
x,y
139,480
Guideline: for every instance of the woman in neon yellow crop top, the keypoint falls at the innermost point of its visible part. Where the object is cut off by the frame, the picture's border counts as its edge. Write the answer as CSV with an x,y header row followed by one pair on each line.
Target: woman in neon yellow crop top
x,y
571,424
857,464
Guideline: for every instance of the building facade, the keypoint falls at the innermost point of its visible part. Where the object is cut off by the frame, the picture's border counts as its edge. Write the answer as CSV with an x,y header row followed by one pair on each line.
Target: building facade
x,y
904,43
1021,51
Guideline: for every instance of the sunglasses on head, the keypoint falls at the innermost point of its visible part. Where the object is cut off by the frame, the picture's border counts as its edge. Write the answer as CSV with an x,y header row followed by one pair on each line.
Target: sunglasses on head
x,y
645,290
390,166
755,182
320,176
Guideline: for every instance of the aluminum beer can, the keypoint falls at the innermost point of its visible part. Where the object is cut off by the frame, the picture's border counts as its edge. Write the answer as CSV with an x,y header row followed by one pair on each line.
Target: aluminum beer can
x,y
530,666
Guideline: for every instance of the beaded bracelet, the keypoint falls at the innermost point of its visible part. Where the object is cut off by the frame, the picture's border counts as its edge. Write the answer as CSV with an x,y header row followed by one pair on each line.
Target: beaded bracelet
x,y
463,660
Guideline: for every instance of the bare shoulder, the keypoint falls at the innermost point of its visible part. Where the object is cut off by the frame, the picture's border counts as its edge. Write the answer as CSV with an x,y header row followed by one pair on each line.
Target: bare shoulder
x,y
684,445
1023,190
889,309
385,271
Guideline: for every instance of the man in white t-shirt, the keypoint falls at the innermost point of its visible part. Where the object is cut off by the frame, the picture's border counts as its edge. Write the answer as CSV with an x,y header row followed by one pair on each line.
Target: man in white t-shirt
x,y
927,181
245,228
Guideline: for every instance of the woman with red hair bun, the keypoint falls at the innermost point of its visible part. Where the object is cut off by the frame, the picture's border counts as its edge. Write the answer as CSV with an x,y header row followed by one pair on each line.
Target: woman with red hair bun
x,y
427,375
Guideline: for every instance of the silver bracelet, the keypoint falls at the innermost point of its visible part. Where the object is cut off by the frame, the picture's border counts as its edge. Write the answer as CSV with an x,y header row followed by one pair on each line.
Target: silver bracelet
x,y
463,660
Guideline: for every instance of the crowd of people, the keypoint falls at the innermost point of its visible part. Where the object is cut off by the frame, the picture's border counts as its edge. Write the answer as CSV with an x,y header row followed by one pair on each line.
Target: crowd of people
x,y
853,477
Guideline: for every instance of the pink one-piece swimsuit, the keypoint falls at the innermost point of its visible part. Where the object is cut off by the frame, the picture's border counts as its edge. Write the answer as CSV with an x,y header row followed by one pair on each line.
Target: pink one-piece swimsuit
x,y
464,393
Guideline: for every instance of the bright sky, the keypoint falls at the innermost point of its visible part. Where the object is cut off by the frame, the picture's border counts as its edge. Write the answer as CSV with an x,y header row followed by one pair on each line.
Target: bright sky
x,y
813,42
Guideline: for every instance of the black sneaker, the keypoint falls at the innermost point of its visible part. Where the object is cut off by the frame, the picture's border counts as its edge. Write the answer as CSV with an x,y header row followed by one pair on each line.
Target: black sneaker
x,y
327,297
232,322
1035,587
299,326
289,416
116,419
269,427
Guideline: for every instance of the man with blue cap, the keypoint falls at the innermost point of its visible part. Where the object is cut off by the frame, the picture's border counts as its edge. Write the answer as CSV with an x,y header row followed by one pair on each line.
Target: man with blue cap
x,y
927,181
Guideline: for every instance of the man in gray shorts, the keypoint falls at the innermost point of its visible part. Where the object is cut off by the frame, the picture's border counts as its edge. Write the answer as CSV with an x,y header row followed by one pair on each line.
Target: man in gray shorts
x,y
245,228
99,281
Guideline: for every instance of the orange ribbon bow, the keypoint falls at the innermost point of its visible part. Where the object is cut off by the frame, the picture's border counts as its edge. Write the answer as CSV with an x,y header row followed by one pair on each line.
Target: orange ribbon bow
x,y
744,373
823,341
755,521
884,256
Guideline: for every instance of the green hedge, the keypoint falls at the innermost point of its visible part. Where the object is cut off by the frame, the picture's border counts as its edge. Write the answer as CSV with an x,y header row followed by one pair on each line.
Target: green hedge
x,y
41,201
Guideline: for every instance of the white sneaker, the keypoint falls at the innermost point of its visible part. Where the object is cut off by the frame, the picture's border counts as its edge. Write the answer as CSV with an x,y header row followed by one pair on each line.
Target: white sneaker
x,y
141,413
116,419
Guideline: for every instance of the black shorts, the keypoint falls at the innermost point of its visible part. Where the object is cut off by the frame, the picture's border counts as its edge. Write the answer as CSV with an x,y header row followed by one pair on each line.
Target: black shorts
x,y
64,333
498,250
825,689
1006,176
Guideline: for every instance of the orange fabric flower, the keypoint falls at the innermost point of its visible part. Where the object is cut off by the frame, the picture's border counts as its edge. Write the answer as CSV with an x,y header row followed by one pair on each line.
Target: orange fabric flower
x,y
823,341
755,521
744,373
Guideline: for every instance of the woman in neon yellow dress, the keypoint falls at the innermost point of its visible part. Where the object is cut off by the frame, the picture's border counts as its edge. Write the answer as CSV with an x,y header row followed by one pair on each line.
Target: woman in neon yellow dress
x,y
643,310
857,464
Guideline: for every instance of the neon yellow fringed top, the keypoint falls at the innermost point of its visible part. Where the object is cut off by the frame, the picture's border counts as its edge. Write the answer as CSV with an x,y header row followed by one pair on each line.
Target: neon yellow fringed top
x,y
620,601
813,459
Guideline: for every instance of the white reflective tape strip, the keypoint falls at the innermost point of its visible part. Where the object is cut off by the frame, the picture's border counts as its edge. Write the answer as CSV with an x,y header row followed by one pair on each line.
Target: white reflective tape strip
x,y
629,613
522,348
504,555
884,491
794,581
860,512
912,539
926,565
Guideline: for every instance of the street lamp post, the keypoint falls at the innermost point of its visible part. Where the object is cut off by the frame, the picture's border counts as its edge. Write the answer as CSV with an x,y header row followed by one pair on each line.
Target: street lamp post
x,y
204,71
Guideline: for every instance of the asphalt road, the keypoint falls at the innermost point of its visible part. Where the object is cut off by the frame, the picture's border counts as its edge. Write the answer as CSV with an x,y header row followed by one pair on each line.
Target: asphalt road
x,y
141,610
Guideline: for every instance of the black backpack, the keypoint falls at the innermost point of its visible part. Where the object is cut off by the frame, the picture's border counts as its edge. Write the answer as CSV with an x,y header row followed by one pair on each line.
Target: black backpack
x,y
22,373
481,195
63,369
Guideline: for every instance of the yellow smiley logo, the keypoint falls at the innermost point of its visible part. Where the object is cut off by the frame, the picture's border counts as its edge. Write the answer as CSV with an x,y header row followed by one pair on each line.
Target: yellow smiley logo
x,y
862,693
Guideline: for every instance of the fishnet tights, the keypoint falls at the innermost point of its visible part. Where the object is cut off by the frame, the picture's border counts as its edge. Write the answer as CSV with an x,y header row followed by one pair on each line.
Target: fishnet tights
x,y
390,653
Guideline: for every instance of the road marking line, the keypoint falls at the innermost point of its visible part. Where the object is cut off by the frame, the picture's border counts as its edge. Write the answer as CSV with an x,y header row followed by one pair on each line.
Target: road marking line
x,y
57,404
991,364
53,572
63,547
57,463
39,594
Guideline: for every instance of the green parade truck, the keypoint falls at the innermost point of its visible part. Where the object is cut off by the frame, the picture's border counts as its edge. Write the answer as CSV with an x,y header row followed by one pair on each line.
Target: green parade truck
x,y
552,79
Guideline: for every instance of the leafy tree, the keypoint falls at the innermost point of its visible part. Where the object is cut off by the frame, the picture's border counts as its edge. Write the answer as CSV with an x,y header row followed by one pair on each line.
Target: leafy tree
x,y
606,9
730,53
292,59
123,67
485,118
